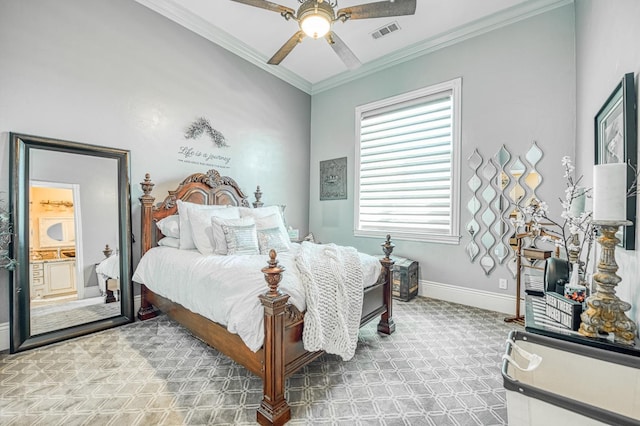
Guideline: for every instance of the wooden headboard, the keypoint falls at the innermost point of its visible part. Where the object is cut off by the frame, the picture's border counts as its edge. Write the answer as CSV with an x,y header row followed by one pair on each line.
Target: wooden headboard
x,y
200,188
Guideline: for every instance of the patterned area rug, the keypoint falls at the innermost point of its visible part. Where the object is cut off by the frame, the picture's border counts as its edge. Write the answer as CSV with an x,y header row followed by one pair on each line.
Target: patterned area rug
x,y
44,319
440,367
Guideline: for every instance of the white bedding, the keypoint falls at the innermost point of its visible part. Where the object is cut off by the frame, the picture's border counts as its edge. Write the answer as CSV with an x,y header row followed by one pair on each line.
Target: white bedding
x,y
209,285
109,268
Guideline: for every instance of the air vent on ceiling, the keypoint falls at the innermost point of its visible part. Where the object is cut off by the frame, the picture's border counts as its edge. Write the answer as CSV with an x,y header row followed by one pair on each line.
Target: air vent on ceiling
x,y
386,30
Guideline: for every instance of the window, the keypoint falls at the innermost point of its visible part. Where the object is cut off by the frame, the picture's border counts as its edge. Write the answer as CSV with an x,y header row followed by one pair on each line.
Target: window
x,y
407,165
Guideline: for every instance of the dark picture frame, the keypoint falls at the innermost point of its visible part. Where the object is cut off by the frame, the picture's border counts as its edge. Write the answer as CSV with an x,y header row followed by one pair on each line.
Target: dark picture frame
x,y
616,141
333,179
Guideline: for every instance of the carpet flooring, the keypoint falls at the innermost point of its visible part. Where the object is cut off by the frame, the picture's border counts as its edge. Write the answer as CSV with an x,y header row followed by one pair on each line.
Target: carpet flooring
x,y
440,367
51,318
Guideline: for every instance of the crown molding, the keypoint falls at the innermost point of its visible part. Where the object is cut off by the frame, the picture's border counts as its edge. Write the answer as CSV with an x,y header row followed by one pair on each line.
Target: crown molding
x,y
180,15
456,35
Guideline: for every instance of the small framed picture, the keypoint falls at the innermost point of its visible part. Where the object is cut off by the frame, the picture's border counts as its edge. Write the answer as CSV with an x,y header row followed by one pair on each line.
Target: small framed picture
x,y
333,179
616,142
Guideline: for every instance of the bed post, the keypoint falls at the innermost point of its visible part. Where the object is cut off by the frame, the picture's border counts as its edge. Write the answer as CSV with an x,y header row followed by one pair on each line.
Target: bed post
x,y
274,409
386,324
146,310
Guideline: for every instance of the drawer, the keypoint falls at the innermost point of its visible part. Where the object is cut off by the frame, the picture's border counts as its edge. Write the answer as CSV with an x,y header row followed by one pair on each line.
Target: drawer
x,y
36,266
37,281
35,274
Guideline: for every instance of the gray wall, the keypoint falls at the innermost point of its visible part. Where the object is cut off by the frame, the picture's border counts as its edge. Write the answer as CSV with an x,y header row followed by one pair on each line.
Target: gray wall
x,y
114,73
607,35
518,85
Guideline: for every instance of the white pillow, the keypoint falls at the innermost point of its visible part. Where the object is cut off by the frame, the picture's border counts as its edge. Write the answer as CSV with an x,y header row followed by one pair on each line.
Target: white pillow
x,y
186,239
240,235
260,211
170,226
271,238
279,238
169,242
202,230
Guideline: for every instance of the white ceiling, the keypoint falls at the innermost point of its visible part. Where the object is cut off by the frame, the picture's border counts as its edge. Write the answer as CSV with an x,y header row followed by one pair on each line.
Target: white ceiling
x,y
256,34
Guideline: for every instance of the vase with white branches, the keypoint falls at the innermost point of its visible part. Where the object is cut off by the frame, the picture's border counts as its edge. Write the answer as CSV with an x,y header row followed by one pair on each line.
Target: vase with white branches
x,y
6,232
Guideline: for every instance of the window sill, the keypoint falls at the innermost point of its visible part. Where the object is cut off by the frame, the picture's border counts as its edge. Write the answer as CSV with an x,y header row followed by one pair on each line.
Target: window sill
x,y
410,236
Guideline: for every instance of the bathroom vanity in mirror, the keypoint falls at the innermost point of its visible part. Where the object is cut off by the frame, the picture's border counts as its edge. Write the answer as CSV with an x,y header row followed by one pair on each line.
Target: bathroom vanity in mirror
x,y
52,278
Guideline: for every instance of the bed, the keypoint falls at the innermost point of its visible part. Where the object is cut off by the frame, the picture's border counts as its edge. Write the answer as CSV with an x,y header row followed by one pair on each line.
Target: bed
x,y
282,352
108,272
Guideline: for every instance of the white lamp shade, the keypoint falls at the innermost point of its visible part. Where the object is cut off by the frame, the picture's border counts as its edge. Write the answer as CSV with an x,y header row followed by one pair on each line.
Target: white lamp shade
x,y
610,192
315,26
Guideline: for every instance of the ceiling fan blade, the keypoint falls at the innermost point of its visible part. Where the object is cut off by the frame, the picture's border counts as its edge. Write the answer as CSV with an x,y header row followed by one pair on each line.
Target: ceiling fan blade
x,y
380,9
287,48
341,49
263,4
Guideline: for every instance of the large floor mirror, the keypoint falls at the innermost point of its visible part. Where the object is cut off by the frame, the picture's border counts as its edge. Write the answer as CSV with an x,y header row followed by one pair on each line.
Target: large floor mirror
x,y
71,209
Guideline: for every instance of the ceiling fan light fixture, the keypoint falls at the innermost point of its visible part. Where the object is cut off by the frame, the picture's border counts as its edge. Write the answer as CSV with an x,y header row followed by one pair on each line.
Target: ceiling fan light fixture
x,y
315,26
315,18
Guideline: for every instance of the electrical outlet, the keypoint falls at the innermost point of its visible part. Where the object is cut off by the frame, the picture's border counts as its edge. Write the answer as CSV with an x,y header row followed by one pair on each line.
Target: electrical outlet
x,y
502,283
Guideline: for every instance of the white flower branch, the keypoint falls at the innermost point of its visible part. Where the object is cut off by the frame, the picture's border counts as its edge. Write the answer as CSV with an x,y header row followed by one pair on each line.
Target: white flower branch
x,y
566,233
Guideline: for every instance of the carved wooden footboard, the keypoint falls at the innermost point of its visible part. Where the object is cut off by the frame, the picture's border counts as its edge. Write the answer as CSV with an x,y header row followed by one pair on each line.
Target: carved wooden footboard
x,y
282,353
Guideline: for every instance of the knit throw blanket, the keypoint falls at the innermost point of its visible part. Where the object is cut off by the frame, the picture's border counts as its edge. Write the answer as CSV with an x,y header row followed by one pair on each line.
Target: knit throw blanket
x,y
332,279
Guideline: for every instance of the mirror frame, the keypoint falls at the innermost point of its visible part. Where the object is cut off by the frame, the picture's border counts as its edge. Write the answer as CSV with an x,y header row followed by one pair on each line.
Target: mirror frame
x,y
20,147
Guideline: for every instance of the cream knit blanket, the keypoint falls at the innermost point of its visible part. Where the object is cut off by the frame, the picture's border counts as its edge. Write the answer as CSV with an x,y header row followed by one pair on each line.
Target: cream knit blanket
x,y
333,281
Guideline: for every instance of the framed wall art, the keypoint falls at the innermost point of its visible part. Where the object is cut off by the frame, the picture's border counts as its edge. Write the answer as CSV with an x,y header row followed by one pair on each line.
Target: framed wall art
x,y
616,141
333,179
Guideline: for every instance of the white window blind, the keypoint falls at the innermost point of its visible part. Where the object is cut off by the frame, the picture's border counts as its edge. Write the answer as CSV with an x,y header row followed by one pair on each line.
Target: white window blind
x,y
406,151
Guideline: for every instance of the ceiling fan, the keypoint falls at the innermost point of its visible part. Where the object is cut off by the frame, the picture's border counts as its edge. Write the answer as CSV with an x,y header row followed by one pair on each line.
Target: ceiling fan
x,y
316,17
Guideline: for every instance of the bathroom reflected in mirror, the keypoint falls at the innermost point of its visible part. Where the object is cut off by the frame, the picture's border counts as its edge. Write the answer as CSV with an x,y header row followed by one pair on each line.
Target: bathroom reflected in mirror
x,y
57,232
68,200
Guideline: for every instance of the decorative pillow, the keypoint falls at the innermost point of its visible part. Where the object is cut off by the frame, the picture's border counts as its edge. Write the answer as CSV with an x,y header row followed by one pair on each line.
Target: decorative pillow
x,y
202,231
273,221
169,242
267,217
220,236
170,226
240,236
271,238
186,239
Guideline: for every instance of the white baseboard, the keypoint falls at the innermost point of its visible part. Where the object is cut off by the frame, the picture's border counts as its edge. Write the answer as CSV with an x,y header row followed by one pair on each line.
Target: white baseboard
x,y
468,296
450,293
5,336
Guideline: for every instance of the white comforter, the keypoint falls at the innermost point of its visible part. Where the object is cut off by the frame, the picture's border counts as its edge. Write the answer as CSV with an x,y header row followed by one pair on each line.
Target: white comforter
x,y
225,289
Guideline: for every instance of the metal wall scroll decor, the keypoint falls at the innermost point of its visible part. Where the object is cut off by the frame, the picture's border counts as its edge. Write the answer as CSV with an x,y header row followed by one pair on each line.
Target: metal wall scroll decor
x,y
500,189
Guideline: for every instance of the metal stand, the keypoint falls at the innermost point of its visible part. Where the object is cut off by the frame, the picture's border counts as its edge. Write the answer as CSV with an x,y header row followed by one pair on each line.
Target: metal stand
x,y
606,312
518,318
533,255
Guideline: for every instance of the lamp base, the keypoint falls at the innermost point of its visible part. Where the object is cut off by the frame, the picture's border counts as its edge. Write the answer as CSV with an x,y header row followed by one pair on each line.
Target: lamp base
x,y
606,312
